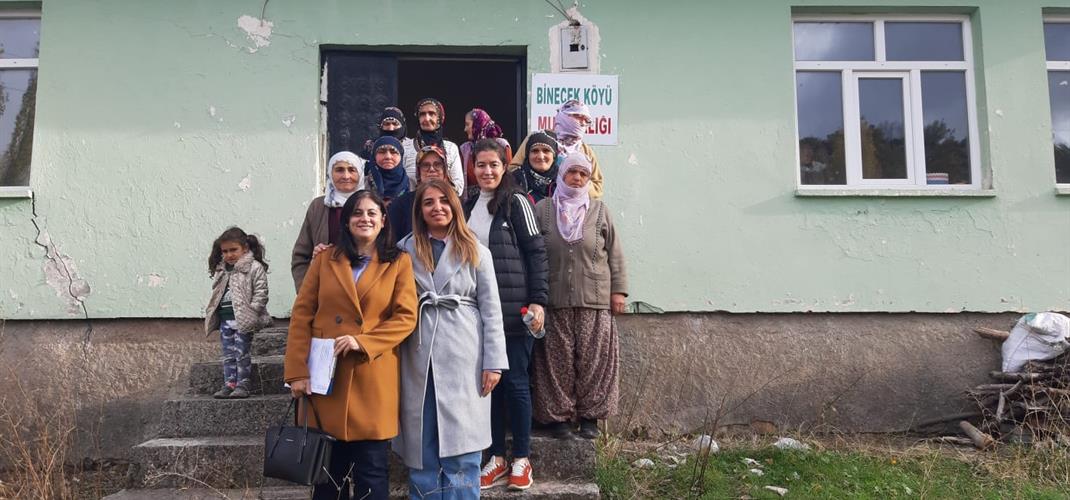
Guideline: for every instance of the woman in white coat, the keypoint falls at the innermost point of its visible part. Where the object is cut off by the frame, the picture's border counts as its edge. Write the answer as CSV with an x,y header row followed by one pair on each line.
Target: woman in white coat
x,y
450,365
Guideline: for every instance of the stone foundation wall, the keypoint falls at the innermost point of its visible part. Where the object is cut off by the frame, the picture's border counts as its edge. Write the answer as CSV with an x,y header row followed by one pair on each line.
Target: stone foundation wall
x,y
679,372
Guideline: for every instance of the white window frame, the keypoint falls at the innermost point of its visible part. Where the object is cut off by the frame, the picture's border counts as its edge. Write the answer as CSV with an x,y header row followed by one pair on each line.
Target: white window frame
x,y
1061,188
19,191
912,100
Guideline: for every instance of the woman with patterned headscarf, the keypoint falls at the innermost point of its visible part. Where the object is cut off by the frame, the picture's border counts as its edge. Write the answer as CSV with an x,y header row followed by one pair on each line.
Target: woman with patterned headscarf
x,y
391,123
345,176
479,125
538,175
570,127
431,115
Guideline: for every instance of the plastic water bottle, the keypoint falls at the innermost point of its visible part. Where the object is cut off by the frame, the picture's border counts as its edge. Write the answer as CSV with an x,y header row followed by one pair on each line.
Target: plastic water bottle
x,y
528,317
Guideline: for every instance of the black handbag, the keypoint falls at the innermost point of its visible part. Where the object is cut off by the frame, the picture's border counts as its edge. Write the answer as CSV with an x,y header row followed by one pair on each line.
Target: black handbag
x,y
296,453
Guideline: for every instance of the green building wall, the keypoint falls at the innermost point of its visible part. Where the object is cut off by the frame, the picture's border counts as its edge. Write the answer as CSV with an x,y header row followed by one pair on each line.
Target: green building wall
x,y
159,124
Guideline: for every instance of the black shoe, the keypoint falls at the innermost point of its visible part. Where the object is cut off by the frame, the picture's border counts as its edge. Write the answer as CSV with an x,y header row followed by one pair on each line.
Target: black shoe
x,y
560,430
588,428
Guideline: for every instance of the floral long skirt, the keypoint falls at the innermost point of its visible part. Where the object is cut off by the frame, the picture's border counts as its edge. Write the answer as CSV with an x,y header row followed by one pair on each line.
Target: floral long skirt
x,y
574,368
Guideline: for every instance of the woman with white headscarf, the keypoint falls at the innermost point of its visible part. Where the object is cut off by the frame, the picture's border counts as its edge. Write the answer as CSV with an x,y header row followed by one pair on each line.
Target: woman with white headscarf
x,y
345,176
575,367
570,127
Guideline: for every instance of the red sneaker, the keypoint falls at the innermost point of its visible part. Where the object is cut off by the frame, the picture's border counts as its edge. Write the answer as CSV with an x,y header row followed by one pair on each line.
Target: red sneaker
x,y
493,473
520,477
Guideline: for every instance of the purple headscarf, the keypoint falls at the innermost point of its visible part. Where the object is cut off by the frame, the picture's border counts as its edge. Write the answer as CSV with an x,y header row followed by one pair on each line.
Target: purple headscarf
x,y
483,127
571,202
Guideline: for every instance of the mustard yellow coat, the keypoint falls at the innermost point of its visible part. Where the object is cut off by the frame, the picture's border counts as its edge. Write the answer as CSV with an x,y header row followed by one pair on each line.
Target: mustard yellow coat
x,y
380,311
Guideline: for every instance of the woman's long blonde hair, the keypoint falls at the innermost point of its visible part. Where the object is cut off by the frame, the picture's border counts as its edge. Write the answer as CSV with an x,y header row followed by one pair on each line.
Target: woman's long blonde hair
x,y
465,244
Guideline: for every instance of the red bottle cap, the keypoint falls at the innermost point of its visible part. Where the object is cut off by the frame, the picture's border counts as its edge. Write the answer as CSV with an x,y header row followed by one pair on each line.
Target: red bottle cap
x,y
523,310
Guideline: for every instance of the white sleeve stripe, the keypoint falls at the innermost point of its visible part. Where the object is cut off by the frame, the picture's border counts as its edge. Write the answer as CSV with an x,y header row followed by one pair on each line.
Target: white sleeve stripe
x,y
529,215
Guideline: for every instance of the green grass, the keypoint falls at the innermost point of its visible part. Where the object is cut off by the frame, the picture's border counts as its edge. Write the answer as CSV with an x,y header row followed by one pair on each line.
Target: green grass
x,y
818,474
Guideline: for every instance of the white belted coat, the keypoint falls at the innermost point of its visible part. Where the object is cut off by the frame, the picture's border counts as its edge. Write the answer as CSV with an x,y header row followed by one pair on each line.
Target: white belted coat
x,y
459,333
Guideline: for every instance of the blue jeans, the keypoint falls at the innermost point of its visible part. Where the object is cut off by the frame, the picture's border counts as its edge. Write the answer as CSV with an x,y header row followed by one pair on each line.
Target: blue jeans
x,y
237,362
442,477
511,400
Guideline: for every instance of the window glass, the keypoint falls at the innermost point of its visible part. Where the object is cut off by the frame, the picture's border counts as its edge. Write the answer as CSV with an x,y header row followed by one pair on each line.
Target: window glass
x,y
18,90
19,38
880,103
833,41
1059,85
1057,41
820,102
923,41
947,127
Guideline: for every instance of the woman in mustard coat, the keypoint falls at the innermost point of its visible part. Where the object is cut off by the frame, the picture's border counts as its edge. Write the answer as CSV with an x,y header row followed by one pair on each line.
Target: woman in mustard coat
x,y
361,293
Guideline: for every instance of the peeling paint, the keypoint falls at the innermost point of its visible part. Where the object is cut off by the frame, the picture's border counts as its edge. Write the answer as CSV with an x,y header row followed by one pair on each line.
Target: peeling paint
x,y
156,280
245,183
257,30
62,276
211,111
289,120
632,159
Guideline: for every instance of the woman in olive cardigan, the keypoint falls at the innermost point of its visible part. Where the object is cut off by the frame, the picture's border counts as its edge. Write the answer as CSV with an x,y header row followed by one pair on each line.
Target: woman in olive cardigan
x,y
575,368
345,175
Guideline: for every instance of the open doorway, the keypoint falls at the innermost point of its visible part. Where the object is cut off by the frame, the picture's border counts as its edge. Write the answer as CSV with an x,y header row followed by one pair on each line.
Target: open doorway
x,y
360,84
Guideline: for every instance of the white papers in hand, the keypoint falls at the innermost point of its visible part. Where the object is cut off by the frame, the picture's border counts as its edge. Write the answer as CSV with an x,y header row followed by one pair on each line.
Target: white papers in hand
x,y
321,361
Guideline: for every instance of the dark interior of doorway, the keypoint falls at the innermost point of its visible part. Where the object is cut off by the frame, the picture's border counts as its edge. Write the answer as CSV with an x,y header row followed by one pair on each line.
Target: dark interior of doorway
x,y
360,84
495,85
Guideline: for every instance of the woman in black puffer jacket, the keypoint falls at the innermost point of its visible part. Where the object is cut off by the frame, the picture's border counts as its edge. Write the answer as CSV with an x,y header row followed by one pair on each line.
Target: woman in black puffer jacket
x,y
503,219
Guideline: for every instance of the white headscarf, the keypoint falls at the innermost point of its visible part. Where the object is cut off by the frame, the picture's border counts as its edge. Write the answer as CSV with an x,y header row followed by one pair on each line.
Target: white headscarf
x,y
334,198
572,202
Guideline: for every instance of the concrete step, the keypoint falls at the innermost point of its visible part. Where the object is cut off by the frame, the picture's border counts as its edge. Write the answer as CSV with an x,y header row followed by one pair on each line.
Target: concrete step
x,y
200,415
269,342
237,461
206,378
540,490
269,493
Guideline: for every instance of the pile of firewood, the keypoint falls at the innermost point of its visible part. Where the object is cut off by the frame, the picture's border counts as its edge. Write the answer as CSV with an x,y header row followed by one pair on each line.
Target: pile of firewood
x,y
1023,407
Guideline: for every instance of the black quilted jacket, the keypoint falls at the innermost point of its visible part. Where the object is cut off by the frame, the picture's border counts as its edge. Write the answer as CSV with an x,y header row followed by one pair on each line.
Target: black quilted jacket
x,y
520,262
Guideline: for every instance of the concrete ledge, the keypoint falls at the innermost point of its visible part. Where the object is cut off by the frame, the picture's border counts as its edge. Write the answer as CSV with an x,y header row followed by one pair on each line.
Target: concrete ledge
x,y
1062,190
679,372
806,192
822,372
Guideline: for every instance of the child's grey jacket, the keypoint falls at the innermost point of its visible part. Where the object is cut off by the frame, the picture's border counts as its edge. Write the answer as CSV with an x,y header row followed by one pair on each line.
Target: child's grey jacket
x,y
248,293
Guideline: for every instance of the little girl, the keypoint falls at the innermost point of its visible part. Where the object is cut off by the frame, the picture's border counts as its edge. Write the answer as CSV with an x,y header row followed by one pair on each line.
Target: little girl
x,y
238,306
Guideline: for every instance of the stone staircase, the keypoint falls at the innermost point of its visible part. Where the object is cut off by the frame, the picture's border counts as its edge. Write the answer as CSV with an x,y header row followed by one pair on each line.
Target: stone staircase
x,y
209,448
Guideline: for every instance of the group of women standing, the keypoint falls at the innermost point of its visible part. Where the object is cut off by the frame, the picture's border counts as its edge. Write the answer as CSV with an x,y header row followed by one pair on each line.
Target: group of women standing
x,y
423,291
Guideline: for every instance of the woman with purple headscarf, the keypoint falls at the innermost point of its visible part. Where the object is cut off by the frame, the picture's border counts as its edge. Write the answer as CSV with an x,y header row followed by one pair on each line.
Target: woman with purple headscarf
x,y
574,369
570,126
479,125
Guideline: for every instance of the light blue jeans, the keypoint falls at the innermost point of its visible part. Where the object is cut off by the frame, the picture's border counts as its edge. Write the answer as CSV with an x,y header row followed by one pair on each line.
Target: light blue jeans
x,y
442,478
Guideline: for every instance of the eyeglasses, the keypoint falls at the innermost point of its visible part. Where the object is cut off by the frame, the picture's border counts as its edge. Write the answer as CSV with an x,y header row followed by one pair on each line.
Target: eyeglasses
x,y
431,167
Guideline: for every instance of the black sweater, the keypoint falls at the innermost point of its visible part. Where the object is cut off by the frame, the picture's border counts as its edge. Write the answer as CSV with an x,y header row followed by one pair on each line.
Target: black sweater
x,y
399,215
520,262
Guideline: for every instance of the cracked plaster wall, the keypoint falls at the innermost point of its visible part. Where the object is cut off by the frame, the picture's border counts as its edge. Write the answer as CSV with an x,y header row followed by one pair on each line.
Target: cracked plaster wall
x,y
182,118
